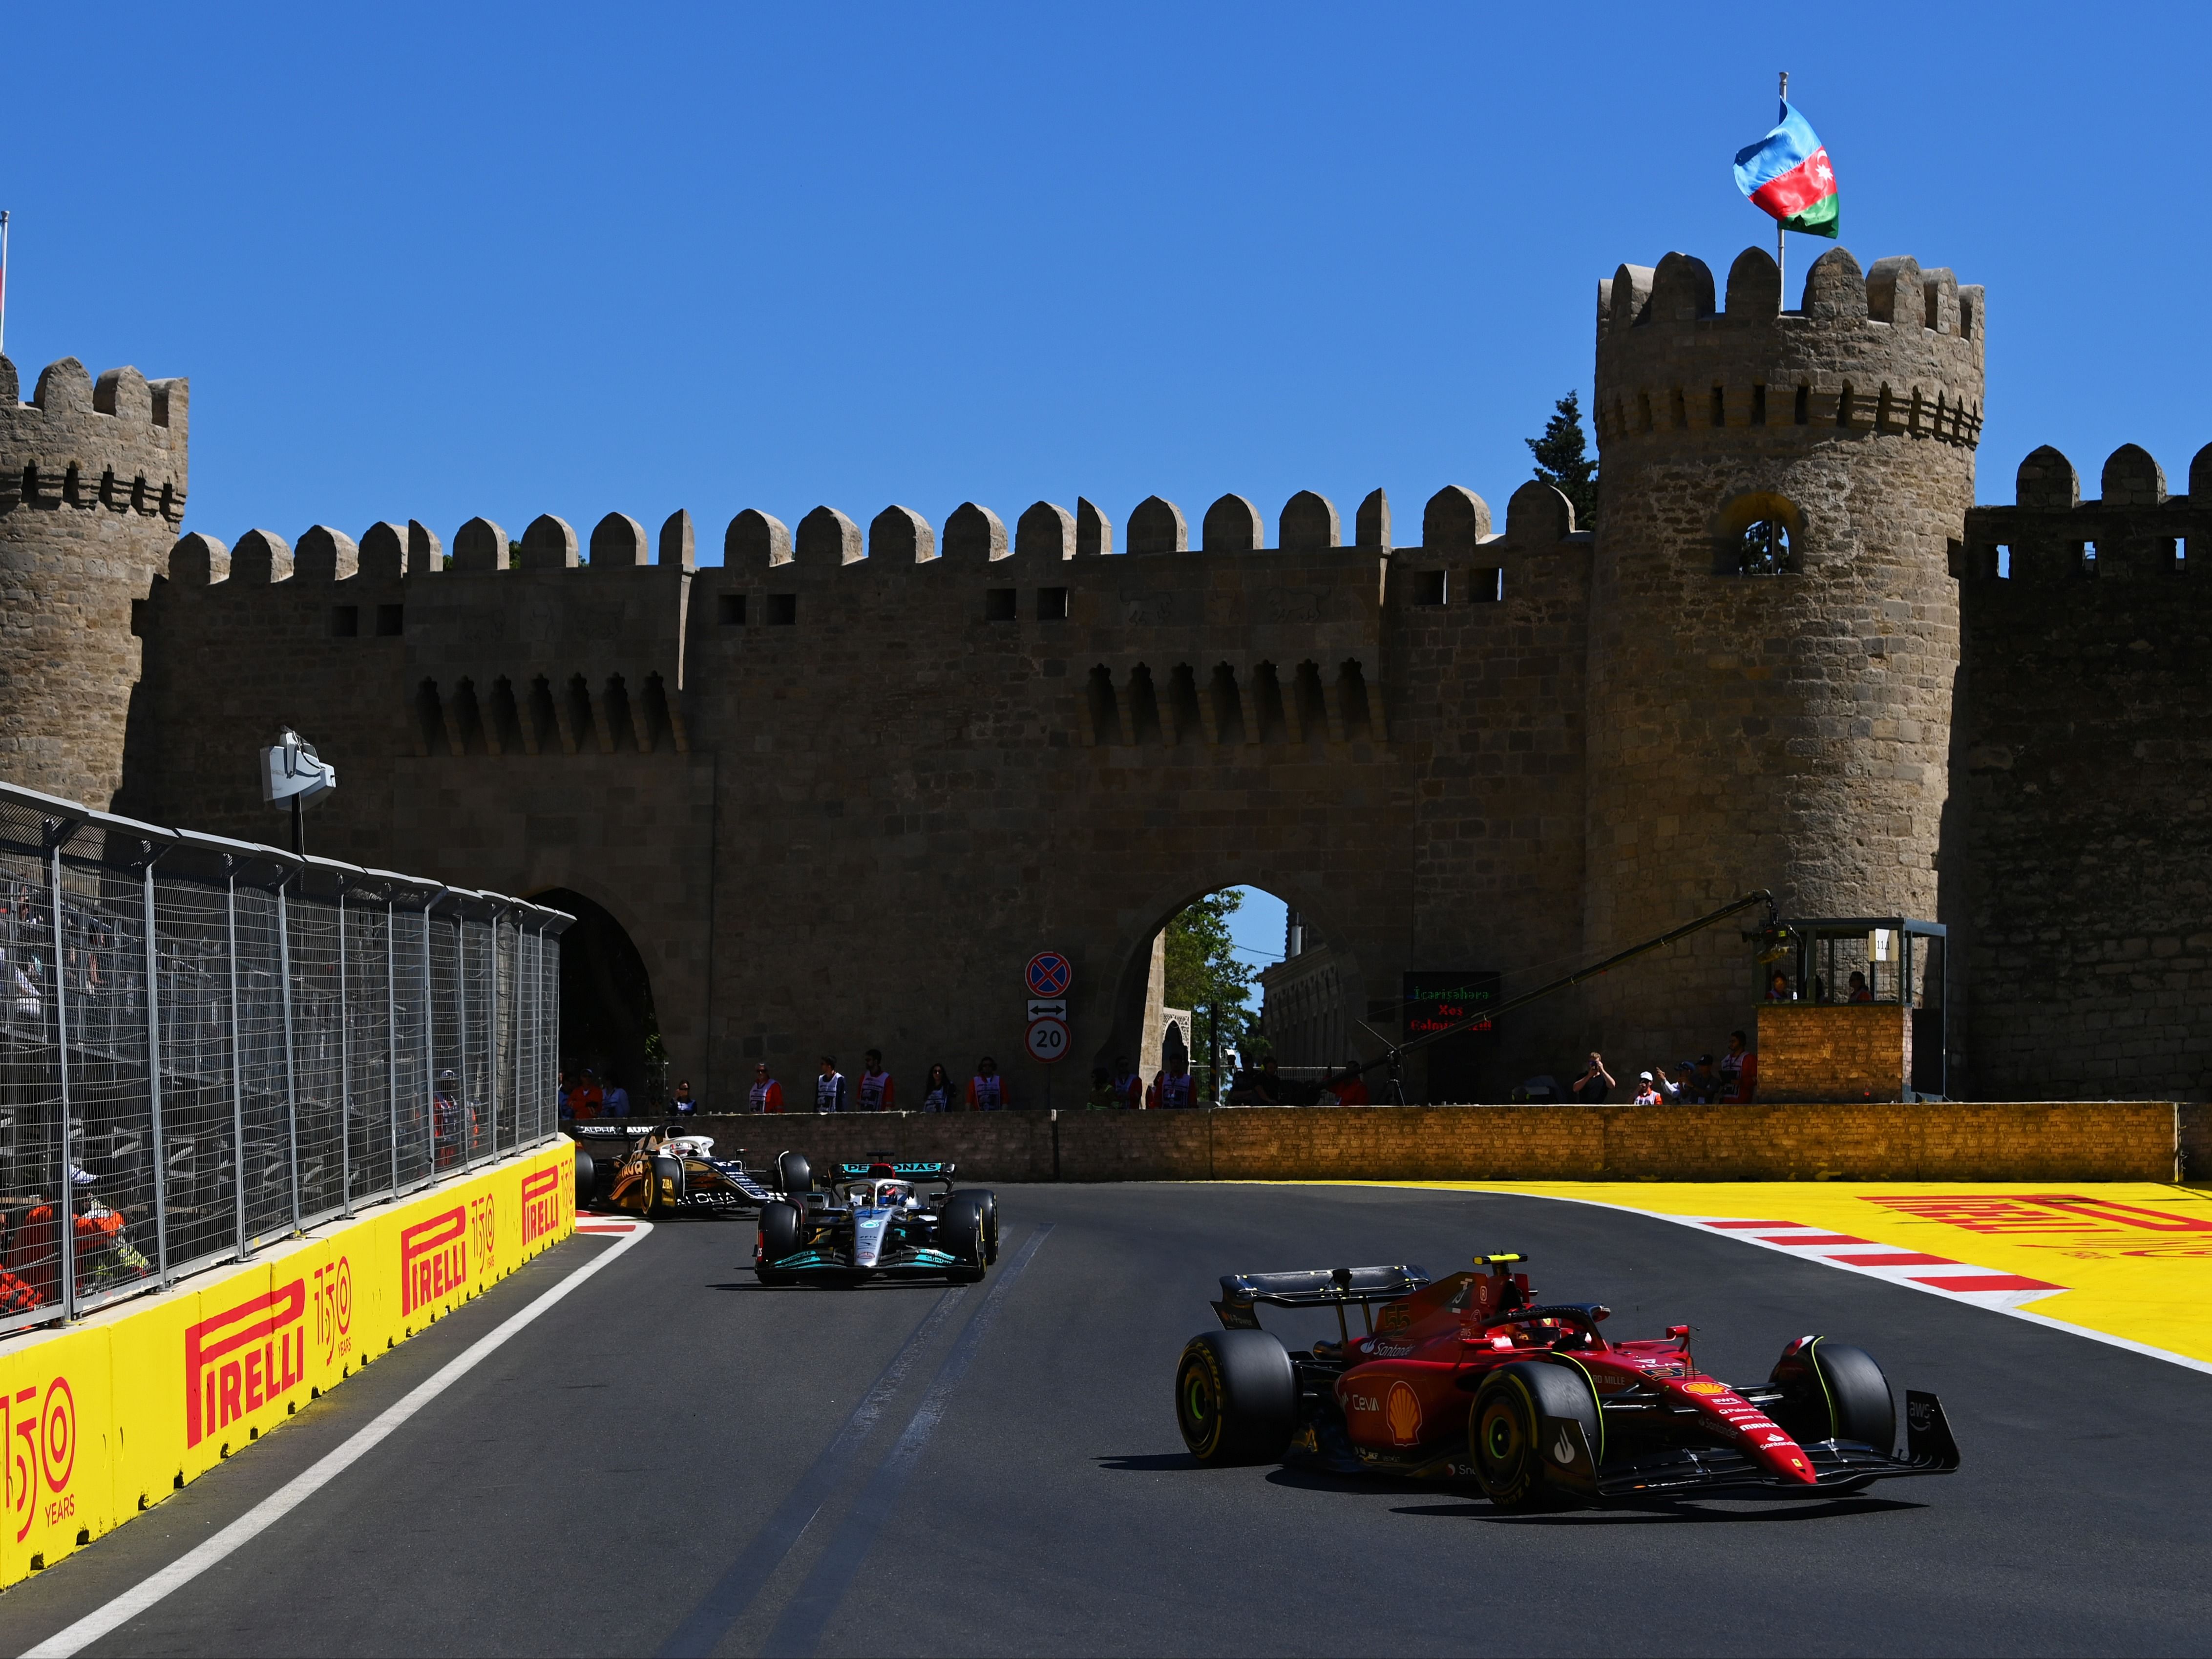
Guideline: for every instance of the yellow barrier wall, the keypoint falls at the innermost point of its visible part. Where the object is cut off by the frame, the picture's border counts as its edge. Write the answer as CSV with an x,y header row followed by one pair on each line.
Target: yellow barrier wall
x,y
108,1417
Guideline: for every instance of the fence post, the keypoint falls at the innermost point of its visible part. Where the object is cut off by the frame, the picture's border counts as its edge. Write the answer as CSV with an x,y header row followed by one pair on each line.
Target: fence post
x,y
461,1028
154,1078
345,1067
66,1210
391,1029
430,1037
237,1058
291,1072
491,1011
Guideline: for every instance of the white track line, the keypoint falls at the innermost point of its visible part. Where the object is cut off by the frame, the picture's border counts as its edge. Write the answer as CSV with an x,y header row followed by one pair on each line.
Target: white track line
x,y
286,1498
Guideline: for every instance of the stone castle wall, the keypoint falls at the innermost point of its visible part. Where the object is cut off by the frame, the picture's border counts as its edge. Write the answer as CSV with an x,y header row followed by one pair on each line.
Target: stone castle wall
x,y
92,488
839,787
2083,781
1790,730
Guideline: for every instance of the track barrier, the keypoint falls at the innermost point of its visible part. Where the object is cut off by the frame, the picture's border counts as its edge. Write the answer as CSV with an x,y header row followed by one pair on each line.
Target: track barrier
x,y
104,1418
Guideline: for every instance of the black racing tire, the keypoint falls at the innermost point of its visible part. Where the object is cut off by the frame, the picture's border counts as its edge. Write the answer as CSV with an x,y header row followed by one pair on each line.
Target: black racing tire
x,y
963,1233
587,1180
783,1233
1236,1397
793,1174
660,1169
1833,1391
1503,1430
990,1226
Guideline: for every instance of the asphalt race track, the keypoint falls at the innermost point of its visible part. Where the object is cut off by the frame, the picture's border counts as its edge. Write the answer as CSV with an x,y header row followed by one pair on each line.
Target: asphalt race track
x,y
671,1461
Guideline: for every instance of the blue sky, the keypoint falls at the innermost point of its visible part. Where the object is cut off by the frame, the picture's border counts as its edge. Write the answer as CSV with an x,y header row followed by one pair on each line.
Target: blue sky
x,y
437,261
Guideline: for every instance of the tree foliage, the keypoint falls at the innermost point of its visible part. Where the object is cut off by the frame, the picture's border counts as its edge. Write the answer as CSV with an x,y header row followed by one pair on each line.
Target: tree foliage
x,y
1563,462
1202,967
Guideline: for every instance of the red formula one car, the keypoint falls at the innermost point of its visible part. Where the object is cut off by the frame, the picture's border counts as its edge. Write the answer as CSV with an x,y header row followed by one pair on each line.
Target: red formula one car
x,y
1470,1377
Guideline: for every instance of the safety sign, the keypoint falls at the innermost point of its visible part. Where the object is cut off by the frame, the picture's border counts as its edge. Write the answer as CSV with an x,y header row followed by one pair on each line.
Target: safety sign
x,y
1049,974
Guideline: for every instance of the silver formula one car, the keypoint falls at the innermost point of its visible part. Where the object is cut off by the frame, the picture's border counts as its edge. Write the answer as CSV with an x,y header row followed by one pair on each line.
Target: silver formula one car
x,y
870,1222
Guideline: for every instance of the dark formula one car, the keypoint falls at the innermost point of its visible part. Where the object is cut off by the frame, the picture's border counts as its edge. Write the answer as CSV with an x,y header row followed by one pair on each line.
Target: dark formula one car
x,y
872,1223
1470,1377
657,1169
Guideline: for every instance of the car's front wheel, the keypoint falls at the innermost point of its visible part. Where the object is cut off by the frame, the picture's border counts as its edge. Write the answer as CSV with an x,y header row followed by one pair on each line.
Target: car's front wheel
x,y
1832,1390
1504,1431
781,1235
1236,1397
961,1233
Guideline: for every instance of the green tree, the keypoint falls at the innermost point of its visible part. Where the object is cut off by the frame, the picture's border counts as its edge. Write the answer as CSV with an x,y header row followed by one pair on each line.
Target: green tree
x,y
1563,462
1202,966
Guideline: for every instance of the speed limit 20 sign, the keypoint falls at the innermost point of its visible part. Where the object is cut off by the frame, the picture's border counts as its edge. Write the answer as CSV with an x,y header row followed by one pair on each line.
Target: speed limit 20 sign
x,y
1047,1040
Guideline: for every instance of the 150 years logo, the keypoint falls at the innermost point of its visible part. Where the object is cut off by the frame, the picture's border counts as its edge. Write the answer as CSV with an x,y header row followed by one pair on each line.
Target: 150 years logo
x,y
41,1440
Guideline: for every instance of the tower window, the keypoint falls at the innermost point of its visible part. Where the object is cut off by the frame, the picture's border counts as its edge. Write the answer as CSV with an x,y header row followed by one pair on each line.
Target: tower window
x,y
1804,405
1763,549
1429,587
391,620
730,610
1758,405
345,622
999,604
1719,407
783,610
1052,604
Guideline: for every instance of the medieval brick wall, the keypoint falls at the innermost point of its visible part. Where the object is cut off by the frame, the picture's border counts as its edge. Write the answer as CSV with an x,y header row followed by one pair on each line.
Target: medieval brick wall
x,y
1932,1141
2082,851
1838,1051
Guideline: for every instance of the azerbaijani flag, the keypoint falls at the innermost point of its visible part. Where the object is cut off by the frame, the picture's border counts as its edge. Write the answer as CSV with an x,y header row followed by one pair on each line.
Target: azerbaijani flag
x,y
1787,174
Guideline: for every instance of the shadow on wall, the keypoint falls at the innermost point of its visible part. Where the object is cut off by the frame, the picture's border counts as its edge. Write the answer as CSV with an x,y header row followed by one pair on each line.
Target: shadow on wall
x,y
607,1020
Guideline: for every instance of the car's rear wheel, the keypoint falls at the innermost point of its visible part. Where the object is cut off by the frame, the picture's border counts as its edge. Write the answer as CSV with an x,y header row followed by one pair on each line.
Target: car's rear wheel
x,y
1832,1390
1236,1397
990,1201
1505,1425
961,1233
782,1234
793,1174
587,1180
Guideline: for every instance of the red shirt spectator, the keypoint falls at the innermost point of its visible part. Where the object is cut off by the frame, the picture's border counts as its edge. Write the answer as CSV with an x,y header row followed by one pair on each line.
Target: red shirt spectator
x,y
1351,1089
767,1094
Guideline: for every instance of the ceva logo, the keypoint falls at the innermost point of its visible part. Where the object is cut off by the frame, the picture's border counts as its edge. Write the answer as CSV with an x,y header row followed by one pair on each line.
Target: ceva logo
x,y
269,1336
434,1258
541,1206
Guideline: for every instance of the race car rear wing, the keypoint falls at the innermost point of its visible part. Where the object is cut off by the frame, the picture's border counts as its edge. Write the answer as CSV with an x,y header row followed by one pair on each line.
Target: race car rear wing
x,y
617,1129
1317,1287
936,1171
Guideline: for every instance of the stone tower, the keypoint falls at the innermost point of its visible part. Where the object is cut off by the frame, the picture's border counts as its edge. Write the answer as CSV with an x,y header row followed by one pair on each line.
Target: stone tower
x,y
92,488
1774,619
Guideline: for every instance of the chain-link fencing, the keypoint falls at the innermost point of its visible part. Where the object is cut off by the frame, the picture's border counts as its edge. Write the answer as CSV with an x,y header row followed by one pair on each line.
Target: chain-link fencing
x,y
206,1046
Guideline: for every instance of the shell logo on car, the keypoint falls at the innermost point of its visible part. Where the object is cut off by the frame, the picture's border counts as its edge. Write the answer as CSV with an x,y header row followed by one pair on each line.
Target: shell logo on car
x,y
1402,1410
268,1335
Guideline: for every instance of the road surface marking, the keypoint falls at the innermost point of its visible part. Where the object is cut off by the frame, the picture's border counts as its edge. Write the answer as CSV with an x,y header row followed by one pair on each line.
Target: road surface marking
x,y
281,1503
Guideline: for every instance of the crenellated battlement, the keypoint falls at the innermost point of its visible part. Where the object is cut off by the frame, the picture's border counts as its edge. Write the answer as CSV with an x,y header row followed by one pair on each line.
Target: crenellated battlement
x,y
119,442
2133,532
1896,351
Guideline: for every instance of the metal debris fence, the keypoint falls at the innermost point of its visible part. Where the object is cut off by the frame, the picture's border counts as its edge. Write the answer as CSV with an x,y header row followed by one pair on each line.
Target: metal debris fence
x,y
206,1046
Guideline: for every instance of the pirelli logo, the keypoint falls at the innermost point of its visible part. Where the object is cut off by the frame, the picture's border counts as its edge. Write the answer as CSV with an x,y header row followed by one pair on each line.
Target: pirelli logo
x,y
244,1358
541,1206
434,1258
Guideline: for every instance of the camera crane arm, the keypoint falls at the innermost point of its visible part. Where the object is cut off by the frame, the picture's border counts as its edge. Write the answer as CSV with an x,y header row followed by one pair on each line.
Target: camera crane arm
x,y
1394,1052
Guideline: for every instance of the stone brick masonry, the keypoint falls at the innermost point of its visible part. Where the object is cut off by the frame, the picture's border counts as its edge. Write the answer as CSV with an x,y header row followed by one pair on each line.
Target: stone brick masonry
x,y
1937,1141
839,788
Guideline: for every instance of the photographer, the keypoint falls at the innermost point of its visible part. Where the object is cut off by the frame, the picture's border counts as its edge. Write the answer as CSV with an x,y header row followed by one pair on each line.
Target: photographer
x,y
1595,1085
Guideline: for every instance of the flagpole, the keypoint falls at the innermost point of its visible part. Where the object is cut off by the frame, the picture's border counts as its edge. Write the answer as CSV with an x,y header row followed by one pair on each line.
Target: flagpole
x,y
1780,268
3,281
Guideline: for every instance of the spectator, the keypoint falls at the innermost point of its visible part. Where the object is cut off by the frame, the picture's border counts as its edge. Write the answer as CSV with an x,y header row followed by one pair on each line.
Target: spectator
x,y
1739,1072
1102,1096
1860,993
936,1094
1676,1087
617,1101
876,1088
560,1108
1264,1087
831,1091
1595,1084
1732,1067
446,1120
1128,1084
587,1098
987,1090
1174,1090
1709,1082
1778,988
1350,1087
683,1104
767,1094
1646,1094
